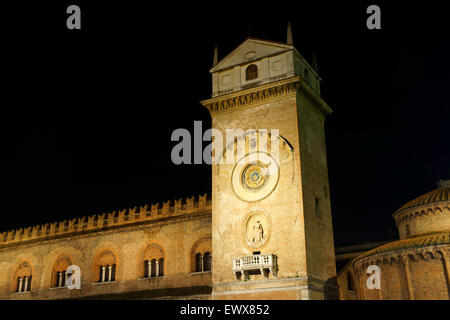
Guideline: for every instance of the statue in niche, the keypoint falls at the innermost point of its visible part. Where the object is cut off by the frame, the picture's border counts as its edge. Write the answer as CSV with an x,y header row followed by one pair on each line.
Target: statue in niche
x,y
258,232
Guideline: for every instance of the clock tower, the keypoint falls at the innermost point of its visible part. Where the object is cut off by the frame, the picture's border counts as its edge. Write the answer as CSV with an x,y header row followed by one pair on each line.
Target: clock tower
x,y
272,235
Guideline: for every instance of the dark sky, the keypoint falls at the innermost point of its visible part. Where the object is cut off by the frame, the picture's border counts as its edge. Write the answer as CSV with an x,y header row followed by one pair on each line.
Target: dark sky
x,y
87,115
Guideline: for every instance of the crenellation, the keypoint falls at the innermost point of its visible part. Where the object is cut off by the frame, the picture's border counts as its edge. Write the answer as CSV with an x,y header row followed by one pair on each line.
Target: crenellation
x,y
28,233
143,209
65,226
102,221
155,209
122,216
11,235
110,218
202,201
133,216
46,229
71,225
166,207
98,221
177,205
115,216
90,222
189,203
21,233
53,227
38,230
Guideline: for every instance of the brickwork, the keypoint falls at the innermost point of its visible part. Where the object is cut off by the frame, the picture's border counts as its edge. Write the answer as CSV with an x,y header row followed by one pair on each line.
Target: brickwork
x,y
171,235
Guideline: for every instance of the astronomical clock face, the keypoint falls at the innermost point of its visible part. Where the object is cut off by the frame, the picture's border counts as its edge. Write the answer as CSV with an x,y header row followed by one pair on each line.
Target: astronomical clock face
x,y
255,176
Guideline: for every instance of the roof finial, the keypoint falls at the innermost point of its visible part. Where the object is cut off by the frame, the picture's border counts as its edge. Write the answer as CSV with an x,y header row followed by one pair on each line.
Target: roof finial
x,y
216,56
314,62
289,38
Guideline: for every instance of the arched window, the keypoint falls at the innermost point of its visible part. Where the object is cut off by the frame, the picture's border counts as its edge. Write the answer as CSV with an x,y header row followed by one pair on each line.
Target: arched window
x,y
408,230
22,278
201,255
152,265
207,261
307,78
59,275
351,282
251,72
105,267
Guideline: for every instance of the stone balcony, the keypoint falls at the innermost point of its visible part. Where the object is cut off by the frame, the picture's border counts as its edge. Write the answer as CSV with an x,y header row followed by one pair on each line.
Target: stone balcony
x,y
261,264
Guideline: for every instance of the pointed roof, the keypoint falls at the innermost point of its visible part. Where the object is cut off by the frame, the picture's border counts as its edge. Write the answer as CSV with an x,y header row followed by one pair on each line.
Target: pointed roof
x,y
257,48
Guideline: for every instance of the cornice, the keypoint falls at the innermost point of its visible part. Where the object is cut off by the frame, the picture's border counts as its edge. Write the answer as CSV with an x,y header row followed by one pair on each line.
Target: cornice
x,y
262,94
433,242
434,208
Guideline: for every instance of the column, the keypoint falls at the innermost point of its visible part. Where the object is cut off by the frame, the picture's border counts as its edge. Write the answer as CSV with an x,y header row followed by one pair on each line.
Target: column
x,y
66,277
103,273
362,278
109,273
149,269
25,287
60,279
408,277
380,295
445,256
201,263
20,285
157,268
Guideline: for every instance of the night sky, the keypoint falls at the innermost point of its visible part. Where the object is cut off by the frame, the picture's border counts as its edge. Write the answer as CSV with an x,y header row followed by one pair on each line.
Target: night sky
x,y
87,115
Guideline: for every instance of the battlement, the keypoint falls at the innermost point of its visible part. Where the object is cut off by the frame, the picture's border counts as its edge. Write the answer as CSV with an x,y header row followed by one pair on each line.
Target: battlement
x,y
108,219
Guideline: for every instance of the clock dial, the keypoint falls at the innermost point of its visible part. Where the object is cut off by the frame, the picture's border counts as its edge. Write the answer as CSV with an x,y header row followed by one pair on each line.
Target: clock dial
x,y
254,176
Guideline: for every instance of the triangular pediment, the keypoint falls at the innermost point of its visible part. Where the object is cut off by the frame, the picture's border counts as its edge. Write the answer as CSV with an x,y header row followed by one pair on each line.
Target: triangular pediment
x,y
250,50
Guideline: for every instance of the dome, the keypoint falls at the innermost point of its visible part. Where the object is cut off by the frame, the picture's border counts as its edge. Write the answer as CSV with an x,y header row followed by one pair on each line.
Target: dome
x,y
437,195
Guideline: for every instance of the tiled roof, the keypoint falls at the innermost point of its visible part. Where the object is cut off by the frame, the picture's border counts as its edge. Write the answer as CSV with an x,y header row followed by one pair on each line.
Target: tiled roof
x,y
416,242
437,195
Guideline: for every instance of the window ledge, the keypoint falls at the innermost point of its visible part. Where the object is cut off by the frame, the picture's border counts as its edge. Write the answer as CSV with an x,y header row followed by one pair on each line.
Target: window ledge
x,y
52,288
23,292
200,272
105,282
150,278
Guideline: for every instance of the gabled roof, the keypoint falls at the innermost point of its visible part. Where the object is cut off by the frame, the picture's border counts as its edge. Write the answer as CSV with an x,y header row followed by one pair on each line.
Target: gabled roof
x,y
261,48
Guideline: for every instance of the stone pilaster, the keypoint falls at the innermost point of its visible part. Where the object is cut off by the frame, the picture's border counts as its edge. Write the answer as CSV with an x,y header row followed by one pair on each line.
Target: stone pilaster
x,y
408,276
